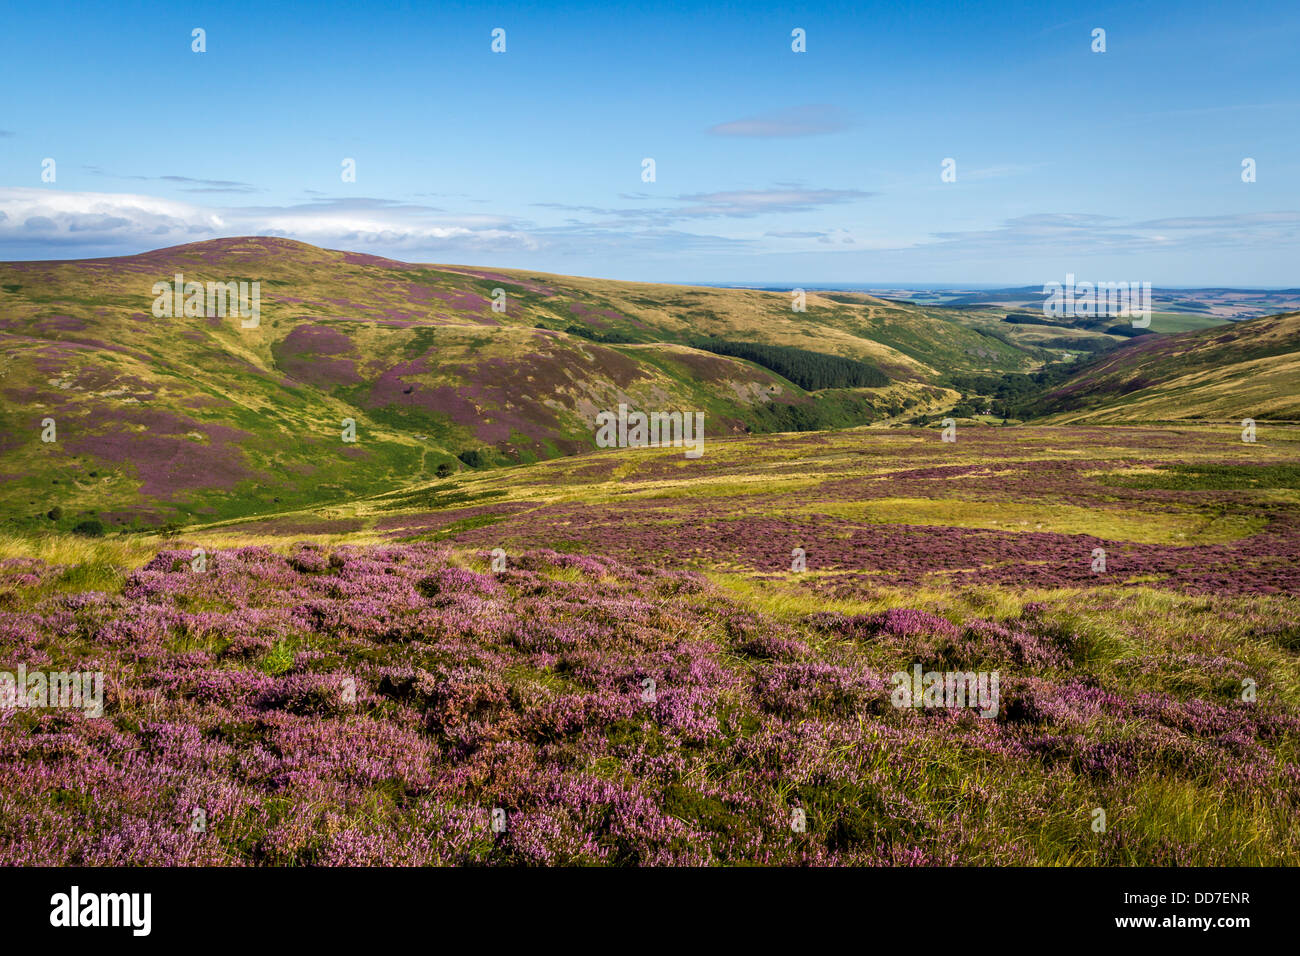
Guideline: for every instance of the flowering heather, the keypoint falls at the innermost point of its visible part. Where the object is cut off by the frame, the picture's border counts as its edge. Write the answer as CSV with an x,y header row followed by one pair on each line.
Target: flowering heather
x,y
406,705
1174,510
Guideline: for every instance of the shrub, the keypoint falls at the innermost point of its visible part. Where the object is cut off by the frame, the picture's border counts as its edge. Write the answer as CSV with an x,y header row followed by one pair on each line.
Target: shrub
x,y
591,335
91,528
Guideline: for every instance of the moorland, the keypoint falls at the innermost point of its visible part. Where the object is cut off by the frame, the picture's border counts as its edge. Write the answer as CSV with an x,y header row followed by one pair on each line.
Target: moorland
x,y
472,637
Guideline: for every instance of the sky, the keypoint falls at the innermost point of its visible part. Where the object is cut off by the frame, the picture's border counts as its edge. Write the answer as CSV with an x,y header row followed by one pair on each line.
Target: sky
x,y
771,166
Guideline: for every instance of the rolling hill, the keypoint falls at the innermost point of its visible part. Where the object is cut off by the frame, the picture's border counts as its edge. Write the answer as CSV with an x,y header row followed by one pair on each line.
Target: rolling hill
x,y
1245,370
160,418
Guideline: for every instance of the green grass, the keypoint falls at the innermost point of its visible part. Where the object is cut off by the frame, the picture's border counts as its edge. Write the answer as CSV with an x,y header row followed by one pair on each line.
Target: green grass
x,y
1208,477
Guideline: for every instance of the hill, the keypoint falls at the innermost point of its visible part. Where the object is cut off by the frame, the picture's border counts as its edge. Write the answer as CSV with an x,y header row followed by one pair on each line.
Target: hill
x,y
174,418
1227,373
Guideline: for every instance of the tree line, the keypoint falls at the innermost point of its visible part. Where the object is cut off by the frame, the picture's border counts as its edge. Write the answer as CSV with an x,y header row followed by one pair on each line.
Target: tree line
x,y
808,370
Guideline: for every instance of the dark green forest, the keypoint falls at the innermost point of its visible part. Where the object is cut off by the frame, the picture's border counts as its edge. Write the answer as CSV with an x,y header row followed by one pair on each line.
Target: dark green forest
x,y
808,370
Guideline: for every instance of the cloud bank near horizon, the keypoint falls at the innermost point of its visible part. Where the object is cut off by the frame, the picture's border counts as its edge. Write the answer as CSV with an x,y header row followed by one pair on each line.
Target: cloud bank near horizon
x,y
37,223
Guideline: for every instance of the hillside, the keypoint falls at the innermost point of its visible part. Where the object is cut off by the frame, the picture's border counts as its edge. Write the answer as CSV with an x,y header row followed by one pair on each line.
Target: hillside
x,y
184,418
620,652
1227,373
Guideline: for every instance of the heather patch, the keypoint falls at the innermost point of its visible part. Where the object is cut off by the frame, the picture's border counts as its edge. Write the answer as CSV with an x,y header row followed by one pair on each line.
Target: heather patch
x,y
410,705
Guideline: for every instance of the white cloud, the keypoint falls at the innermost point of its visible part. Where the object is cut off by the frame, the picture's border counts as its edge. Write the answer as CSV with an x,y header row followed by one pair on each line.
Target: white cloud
x,y
84,222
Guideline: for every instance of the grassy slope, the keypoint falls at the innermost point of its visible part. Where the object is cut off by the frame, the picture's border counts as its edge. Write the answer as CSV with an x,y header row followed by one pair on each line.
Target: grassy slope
x,y
197,418
1246,370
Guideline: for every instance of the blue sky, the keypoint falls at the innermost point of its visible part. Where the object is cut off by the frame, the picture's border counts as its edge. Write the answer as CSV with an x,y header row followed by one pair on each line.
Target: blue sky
x,y
771,166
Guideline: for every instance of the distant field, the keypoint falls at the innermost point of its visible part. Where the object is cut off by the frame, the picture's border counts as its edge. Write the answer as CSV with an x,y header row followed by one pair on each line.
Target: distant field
x,y
1213,306
1171,322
